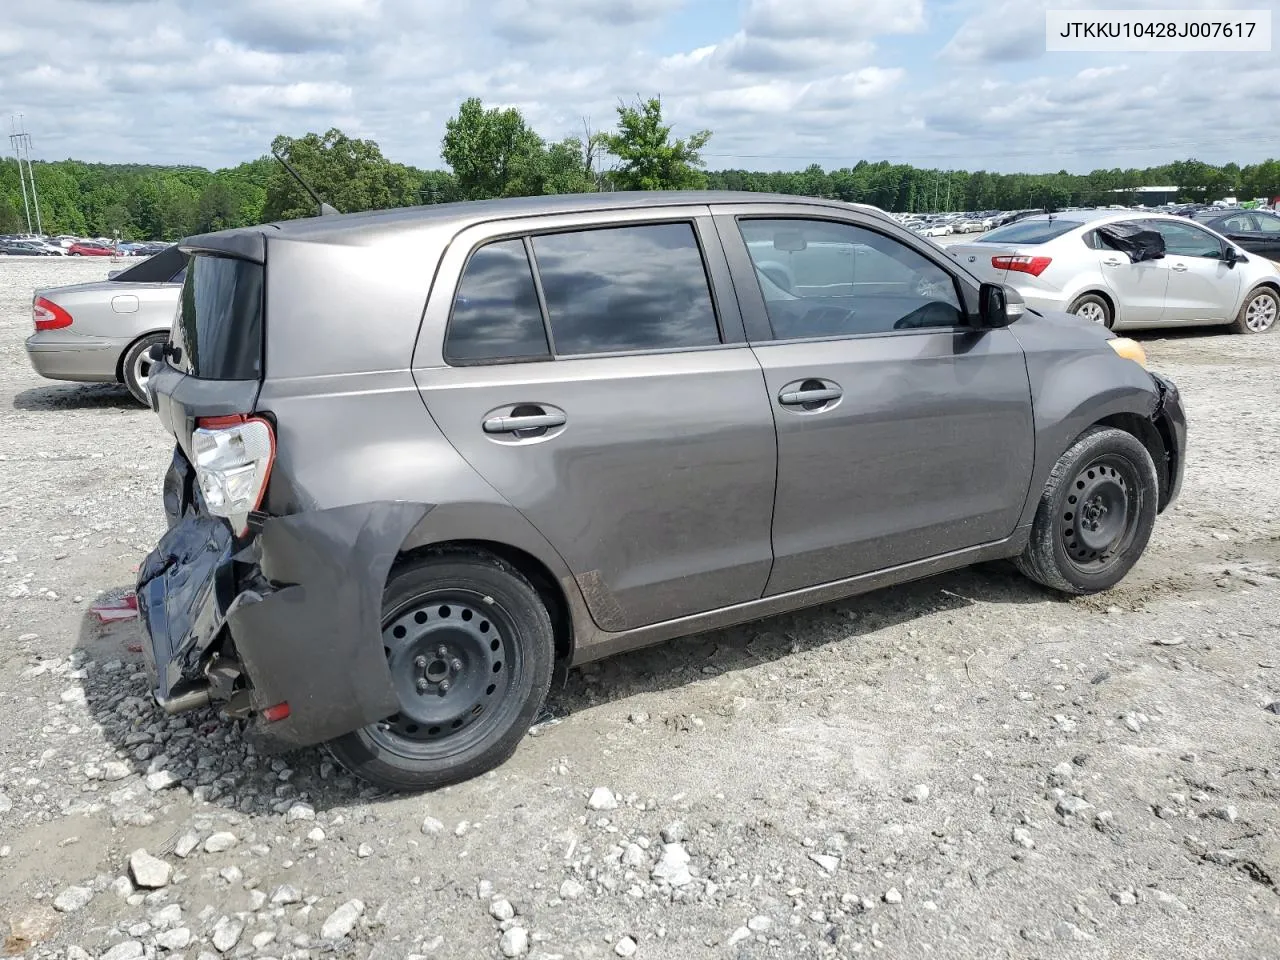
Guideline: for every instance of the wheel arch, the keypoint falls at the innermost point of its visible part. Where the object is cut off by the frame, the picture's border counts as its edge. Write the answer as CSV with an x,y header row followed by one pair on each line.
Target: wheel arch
x,y
129,346
1101,293
1151,434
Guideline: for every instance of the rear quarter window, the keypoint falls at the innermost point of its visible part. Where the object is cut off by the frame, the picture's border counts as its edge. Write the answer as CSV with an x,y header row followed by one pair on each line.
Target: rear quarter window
x,y
218,328
1029,232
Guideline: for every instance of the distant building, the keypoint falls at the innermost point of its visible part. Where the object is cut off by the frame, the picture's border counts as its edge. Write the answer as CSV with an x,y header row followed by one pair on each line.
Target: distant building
x,y
1151,196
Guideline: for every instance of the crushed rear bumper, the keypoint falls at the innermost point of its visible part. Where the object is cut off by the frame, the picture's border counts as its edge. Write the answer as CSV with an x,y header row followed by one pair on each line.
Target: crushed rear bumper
x,y
289,614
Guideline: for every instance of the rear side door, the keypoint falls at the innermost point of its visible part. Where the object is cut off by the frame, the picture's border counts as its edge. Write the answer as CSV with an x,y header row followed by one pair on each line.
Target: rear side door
x,y
1202,285
1266,241
595,372
903,433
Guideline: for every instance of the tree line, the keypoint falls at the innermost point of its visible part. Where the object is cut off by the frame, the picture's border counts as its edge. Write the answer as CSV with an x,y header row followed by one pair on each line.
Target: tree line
x,y
492,152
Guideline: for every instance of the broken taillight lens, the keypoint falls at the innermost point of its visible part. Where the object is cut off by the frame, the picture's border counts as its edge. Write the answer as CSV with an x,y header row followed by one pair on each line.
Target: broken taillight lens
x,y
233,458
48,315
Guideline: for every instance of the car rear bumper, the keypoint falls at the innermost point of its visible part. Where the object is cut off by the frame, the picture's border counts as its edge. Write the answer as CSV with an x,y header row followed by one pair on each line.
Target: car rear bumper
x,y
92,359
1171,420
289,614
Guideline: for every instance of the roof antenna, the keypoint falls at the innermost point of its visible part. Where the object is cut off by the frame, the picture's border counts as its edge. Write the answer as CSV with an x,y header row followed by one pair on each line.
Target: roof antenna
x,y
325,209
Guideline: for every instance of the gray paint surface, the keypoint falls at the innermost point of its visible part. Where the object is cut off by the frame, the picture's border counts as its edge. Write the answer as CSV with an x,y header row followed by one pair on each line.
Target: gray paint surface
x,y
678,495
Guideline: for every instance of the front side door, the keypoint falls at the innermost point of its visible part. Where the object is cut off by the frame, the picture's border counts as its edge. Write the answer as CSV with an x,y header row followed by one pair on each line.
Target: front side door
x,y
1202,285
903,433
1266,240
596,374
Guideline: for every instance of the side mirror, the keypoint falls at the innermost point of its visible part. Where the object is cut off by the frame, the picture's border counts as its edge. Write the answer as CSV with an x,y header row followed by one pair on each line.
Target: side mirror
x,y
1234,256
999,306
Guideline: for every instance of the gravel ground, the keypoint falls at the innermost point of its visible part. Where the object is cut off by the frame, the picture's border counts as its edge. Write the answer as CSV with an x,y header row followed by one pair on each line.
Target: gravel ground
x,y
963,767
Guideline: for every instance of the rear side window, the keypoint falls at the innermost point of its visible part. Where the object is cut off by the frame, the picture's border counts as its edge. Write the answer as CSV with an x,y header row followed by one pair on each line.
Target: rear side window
x,y
496,315
1268,224
167,266
621,289
1029,232
219,322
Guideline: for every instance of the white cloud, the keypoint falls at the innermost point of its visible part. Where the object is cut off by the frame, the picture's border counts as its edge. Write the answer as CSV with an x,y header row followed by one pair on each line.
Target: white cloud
x,y
780,83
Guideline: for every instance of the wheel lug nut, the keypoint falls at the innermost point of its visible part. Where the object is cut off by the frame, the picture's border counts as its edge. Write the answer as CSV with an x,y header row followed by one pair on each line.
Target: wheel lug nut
x,y
422,686
420,662
444,686
455,665
442,651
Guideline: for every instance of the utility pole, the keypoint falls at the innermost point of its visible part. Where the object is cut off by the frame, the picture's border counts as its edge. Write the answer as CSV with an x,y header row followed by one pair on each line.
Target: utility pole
x,y
948,192
22,149
22,175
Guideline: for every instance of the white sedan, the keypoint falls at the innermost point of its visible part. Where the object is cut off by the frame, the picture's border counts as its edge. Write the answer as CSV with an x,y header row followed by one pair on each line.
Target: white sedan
x,y
1097,265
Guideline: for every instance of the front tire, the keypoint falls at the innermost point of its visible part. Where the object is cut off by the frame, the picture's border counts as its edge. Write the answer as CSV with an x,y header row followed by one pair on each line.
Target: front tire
x,y
471,650
1258,313
1095,516
1093,307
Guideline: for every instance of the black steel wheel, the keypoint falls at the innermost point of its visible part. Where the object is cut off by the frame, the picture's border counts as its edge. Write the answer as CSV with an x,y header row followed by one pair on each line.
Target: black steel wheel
x,y
470,650
1096,514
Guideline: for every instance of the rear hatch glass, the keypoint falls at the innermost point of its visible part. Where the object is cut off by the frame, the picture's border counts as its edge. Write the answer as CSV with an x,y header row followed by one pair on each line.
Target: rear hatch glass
x,y
217,333
1029,232
164,267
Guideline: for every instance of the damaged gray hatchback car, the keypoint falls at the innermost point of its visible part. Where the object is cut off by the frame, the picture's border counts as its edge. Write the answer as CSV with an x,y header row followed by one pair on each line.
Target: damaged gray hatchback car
x,y
426,457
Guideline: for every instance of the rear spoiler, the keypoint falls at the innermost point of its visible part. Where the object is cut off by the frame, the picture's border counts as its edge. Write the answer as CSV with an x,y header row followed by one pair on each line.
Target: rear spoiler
x,y
246,243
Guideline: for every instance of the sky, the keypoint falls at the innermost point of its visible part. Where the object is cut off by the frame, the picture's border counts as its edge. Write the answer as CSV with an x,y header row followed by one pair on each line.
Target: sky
x,y
962,84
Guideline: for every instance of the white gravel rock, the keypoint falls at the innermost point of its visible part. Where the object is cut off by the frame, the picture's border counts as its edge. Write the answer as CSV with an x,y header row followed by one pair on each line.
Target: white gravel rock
x,y
626,947
501,909
226,933
161,780
735,938
128,950
892,895
220,842
186,844
514,942
759,924
827,862
571,890
178,938
431,826
72,899
673,866
917,794
342,921
602,798
300,812
286,894
148,872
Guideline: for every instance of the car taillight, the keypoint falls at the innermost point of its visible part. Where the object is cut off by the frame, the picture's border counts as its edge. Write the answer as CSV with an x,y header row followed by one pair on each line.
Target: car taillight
x,y
1032,265
233,458
48,315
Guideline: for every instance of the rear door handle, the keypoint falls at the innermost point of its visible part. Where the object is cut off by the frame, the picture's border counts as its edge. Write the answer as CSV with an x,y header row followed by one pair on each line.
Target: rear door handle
x,y
1113,262
798,398
538,421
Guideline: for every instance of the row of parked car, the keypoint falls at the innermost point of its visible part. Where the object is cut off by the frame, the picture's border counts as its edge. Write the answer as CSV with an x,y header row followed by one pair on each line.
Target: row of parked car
x,y
26,245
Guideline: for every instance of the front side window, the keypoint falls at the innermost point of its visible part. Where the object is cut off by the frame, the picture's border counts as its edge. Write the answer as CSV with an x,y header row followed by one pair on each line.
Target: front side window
x,y
825,279
1184,240
619,289
496,315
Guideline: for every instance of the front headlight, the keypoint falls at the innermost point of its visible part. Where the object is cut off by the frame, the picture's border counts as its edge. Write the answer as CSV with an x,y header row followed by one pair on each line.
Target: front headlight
x,y
1130,350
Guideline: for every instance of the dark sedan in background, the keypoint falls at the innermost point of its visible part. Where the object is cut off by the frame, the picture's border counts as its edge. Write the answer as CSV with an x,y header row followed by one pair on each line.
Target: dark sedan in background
x,y
1258,231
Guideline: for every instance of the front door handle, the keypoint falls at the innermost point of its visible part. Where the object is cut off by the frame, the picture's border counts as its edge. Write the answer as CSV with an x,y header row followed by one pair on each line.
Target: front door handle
x,y
798,398
514,424
1179,268
1113,262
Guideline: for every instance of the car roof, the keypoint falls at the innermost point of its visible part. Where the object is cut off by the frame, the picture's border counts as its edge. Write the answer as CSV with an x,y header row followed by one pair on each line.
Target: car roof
x,y
347,228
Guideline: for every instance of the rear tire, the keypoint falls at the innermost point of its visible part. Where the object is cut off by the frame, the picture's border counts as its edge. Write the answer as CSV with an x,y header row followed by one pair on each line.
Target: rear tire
x,y
1093,307
471,651
135,368
1258,313
1095,516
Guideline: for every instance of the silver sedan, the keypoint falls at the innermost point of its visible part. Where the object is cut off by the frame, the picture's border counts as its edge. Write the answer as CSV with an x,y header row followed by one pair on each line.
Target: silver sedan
x,y
102,332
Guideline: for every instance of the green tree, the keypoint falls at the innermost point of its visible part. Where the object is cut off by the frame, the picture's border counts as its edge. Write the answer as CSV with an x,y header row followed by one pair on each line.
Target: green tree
x,y
650,158
349,174
217,208
493,153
